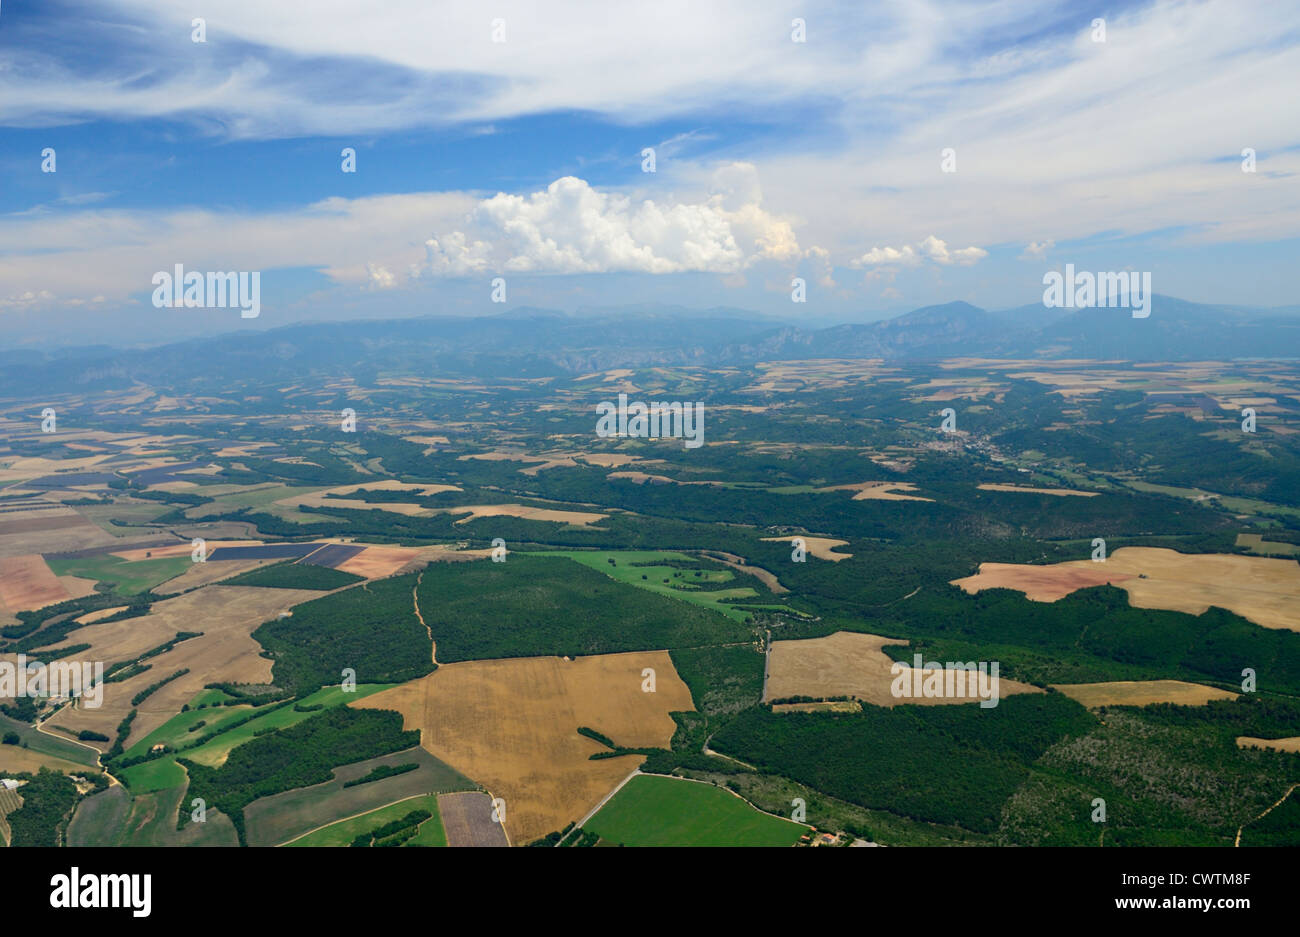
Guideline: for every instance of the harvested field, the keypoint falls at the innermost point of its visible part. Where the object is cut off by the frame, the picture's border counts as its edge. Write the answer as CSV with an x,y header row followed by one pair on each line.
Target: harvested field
x,y
92,617
27,583
428,440
1291,744
849,663
106,549
512,726
879,491
819,547
333,498
378,562
738,563
1261,589
405,508
607,459
440,552
77,586
503,457
834,706
467,820
1060,492
179,548
205,574
226,615
49,532
391,484
641,478
1141,693
266,551
1041,583
475,511
15,758
243,449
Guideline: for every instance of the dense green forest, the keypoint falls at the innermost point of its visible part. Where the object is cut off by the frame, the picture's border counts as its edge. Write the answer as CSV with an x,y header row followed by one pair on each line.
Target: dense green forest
x,y
531,605
371,629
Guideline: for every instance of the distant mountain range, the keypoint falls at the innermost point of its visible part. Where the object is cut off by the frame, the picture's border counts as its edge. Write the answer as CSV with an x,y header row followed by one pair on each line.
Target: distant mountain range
x,y
537,342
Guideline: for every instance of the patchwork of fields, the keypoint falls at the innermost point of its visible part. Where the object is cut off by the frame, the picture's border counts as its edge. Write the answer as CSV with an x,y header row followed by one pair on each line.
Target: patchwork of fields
x,y
475,624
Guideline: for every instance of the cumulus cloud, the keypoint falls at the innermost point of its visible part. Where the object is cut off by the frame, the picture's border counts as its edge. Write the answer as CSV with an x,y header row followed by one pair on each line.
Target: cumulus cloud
x,y
572,227
904,256
1037,250
381,243
910,255
381,278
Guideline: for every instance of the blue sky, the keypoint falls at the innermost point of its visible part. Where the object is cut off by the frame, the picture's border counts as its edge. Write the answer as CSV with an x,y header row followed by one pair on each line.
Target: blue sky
x,y
521,158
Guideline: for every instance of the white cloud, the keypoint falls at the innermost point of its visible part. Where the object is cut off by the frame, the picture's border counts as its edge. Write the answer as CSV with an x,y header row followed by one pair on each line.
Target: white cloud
x,y
26,298
931,248
1034,116
1037,250
380,277
113,254
571,227
904,256
937,251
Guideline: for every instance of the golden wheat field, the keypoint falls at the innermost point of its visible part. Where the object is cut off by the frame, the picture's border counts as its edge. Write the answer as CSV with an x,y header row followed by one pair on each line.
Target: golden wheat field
x,y
1262,589
511,725
1141,693
226,651
848,663
819,547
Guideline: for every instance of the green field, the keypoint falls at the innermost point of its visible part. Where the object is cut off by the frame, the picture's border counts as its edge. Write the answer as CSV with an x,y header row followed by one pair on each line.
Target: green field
x,y
1255,543
1227,502
127,578
343,832
39,741
133,518
640,568
661,811
115,818
163,773
282,818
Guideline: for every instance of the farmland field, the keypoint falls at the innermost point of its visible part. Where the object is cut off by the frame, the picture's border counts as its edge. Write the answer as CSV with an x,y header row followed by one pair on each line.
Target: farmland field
x,y
652,615
659,811
849,664
511,725
282,817
1263,590
162,773
468,820
344,831
1142,693
128,578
